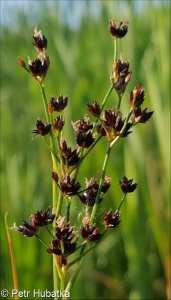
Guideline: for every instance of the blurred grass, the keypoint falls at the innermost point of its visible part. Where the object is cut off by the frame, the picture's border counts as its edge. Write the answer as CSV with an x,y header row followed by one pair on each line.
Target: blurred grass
x,y
132,262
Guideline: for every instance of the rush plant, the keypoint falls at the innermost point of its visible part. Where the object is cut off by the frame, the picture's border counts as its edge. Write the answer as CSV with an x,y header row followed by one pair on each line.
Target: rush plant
x,y
68,242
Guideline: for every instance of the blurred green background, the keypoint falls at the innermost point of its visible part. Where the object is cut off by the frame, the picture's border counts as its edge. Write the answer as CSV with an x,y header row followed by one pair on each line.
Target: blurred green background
x,y
132,262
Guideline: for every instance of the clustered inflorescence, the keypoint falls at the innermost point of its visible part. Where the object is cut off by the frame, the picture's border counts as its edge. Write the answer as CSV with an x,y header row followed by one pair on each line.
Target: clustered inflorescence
x,y
109,124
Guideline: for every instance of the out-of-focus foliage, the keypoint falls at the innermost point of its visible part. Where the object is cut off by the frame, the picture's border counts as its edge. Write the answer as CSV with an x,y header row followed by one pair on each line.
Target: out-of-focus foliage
x,y
133,261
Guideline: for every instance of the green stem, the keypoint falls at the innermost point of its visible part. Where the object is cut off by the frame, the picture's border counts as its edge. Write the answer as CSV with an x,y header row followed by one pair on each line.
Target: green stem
x,y
101,183
119,100
76,271
79,261
106,98
59,204
45,105
122,200
40,239
126,122
56,279
82,157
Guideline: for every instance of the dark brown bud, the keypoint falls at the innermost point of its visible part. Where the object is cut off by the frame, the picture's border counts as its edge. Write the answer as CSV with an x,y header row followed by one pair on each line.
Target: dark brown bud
x,y
58,125
57,104
94,109
111,220
70,157
26,229
41,128
82,125
90,233
67,249
141,116
42,218
120,75
38,68
136,97
65,233
84,139
64,244
127,186
68,186
90,193
113,123
40,42
118,31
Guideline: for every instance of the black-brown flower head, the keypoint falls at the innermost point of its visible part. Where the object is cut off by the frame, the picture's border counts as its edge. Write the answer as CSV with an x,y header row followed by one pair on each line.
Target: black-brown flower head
x,y
94,109
38,67
120,75
111,220
141,116
113,123
58,125
82,125
64,243
57,104
70,158
136,97
90,193
40,42
42,218
65,233
41,128
26,229
68,187
84,139
127,186
118,31
90,233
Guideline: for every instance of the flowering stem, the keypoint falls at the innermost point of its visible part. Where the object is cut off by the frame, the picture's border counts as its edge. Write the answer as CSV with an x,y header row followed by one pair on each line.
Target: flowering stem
x,y
126,122
59,204
90,148
56,279
122,200
42,88
106,97
119,100
40,239
114,141
76,270
101,182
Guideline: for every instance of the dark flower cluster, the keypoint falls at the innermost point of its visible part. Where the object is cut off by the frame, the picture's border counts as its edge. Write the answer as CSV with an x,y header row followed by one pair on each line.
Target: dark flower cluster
x,y
40,219
118,31
136,98
70,158
90,193
83,130
57,104
37,68
120,75
63,244
41,128
108,122
113,124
